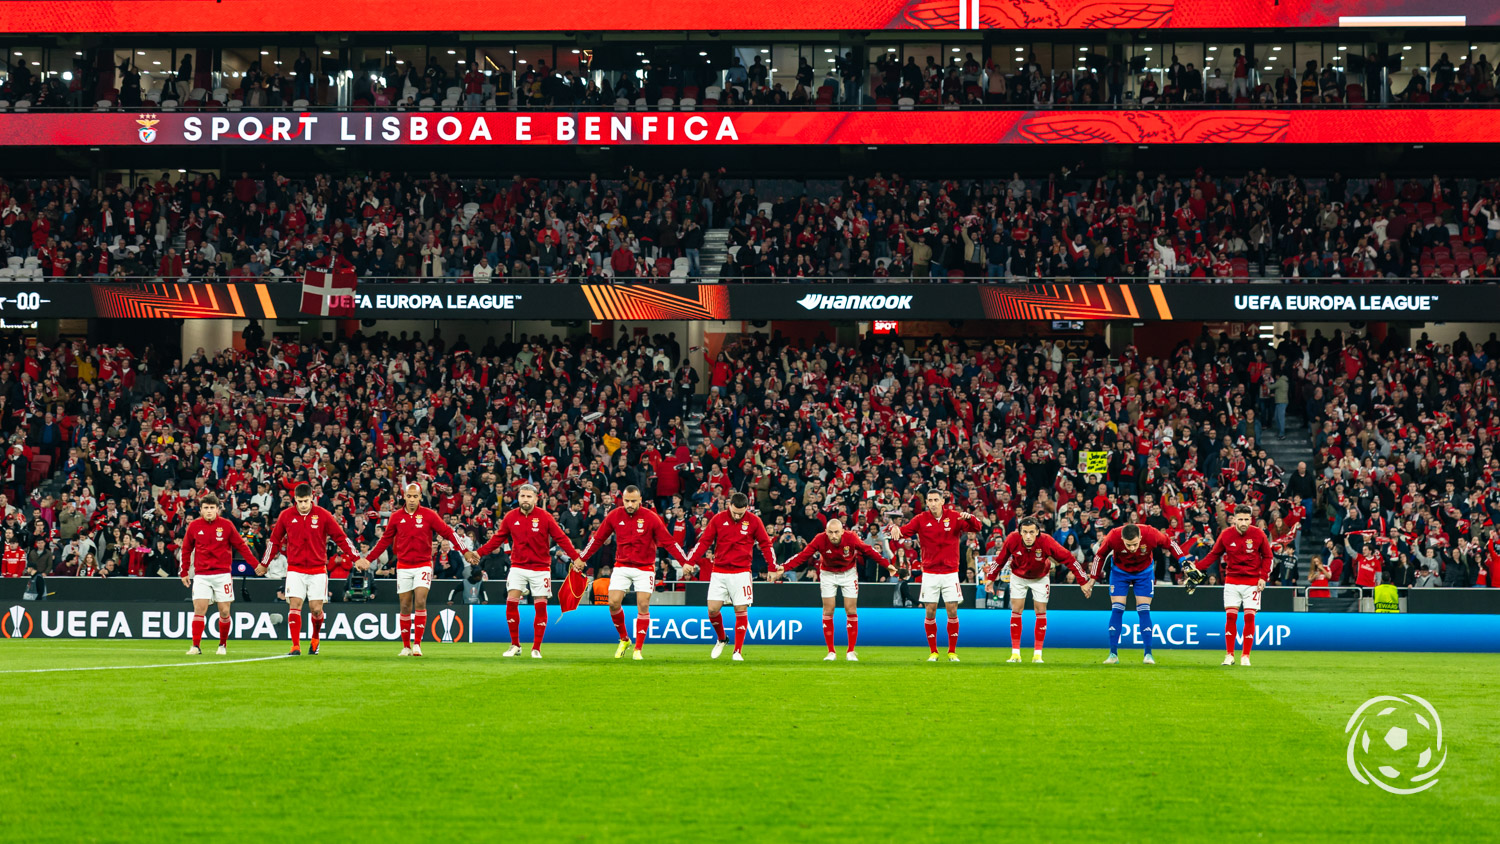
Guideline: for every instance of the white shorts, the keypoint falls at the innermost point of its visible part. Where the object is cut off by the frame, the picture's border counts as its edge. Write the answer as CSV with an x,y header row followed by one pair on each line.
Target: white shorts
x,y
731,588
940,589
538,583
1039,587
214,587
310,587
829,583
410,580
1241,596
626,579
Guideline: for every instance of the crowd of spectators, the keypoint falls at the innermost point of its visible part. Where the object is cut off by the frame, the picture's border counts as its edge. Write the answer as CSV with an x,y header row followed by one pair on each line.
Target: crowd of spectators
x,y
108,448
1068,224
886,81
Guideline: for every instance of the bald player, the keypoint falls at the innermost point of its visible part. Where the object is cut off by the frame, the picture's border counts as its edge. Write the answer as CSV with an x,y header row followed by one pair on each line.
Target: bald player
x,y
838,552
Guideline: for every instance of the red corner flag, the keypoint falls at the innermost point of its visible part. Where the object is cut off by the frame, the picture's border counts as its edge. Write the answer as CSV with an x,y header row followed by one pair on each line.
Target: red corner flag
x,y
329,291
571,592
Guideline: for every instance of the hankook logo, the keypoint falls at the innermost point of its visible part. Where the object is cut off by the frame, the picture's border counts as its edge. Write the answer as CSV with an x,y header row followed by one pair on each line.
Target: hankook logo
x,y
826,302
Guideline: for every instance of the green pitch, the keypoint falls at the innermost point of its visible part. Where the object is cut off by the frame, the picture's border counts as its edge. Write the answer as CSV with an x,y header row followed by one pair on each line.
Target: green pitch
x,y
462,745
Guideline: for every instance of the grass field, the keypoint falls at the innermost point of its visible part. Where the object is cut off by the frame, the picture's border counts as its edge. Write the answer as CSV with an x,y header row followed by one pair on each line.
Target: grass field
x,y
463,745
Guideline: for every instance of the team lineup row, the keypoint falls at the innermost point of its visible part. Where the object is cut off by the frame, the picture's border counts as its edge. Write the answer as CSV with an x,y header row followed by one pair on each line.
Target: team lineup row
x,y
727,544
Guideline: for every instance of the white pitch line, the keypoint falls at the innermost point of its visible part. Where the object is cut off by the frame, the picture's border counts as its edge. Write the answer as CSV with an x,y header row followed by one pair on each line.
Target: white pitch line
x,y
131,667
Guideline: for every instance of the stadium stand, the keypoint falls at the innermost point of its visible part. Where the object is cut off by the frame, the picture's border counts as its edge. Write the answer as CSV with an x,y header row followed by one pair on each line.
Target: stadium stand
x,y
884,82
1068,224
107,451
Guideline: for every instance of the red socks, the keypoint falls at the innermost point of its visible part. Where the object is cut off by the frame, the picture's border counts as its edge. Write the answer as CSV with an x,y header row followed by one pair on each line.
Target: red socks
x,y
539,629
1231,619
618,617
513,620
198,622
1015,631
405,630
316,631
294,627
741,627
1041,631
642,627
952,635
1249,630
828,633
418,627
718,623
225,625
853,631
932,634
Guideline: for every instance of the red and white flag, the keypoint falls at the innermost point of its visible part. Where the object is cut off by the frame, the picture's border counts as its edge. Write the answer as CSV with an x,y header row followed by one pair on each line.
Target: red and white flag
x,y
329,291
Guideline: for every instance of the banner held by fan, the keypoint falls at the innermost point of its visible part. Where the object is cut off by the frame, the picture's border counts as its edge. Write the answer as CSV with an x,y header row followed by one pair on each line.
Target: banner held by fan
x,y
329,290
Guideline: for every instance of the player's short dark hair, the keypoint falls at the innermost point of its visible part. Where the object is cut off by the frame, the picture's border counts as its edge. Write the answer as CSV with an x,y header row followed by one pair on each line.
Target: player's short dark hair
x,y
632,488
303,491
1130,533
1029,522
209,499
939,493
739,499
1244,508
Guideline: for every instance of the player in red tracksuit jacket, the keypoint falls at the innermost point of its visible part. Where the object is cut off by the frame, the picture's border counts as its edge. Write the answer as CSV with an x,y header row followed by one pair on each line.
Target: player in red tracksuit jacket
x,y
208,546
838,551
531,531
638,533
1130,549
1030,555
409,533
730,537
1247,563
938,530
303,533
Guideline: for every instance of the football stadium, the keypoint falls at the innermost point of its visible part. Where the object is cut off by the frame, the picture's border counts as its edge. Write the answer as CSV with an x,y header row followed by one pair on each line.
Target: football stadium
x,y
914,420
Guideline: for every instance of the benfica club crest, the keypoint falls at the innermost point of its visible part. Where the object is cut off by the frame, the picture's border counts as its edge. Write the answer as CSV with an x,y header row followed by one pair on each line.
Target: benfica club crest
x,y
147,130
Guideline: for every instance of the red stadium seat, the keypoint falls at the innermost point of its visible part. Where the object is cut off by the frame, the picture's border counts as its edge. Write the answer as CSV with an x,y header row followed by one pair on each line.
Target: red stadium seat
x,y
1355,93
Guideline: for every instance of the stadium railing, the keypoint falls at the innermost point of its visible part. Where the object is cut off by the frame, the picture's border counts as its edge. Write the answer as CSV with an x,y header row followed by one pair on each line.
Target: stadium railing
x,y
1126,105
296,278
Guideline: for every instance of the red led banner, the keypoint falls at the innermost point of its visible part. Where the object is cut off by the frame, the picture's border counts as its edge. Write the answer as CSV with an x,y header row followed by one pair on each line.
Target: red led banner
x,y
1058,126
233,16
